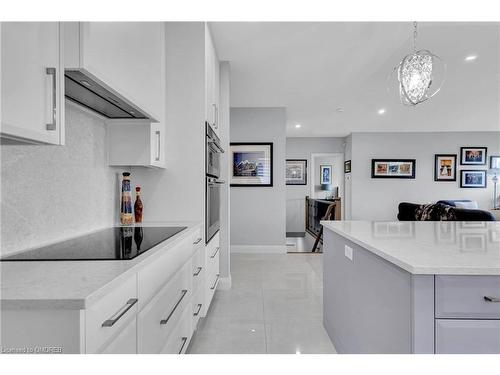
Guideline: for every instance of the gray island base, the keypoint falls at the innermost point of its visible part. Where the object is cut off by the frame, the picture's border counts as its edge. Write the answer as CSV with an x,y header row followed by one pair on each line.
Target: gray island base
x,y
412,287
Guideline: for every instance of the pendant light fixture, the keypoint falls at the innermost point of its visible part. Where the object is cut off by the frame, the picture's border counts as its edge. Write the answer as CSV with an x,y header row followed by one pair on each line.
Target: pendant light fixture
x,y
420,74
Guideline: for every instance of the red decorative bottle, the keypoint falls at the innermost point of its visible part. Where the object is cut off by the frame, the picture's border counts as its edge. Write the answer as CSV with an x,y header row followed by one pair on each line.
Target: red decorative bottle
x,y
138,205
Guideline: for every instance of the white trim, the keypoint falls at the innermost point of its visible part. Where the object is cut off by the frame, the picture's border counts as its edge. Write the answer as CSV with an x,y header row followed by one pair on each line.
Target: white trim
x,y
259,249
224,283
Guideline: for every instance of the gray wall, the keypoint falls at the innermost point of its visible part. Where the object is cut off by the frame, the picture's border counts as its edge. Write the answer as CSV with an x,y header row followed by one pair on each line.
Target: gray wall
x,y
258,213
54,192
302,148
378,199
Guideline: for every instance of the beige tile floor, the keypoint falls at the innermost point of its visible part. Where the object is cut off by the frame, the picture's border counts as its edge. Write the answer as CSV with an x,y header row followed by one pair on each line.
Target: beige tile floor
x,y
274,306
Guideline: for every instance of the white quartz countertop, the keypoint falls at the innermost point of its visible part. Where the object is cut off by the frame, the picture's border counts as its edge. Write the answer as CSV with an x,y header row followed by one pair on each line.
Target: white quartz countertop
x,y
72,284
428,248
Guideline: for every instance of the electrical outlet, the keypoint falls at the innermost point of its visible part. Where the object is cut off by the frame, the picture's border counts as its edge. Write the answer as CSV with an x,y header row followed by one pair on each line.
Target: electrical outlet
x,y
348,252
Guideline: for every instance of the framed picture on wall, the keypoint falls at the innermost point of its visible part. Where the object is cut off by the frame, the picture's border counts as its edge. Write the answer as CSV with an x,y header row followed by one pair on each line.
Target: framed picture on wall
x,y
325,174
296,172
473,178
347,166
393,168
494,162
445,167
252,164
473,155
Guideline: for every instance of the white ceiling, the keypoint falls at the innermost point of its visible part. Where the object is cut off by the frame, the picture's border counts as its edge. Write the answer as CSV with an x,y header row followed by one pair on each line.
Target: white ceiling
x,y
314,68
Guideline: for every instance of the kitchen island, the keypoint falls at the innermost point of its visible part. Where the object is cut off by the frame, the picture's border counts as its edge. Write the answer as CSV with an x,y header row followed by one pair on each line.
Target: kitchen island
x,y
412,287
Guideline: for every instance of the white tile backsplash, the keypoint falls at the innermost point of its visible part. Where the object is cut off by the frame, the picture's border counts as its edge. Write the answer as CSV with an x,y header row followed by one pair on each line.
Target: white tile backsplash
x,y
55,192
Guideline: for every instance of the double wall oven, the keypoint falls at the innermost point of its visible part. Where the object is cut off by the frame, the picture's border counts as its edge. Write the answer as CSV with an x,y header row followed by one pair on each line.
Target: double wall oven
x,y
213,183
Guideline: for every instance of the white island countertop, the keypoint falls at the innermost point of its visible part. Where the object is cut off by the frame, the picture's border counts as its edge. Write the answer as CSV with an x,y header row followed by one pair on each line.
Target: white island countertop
x,y
428,248
72,284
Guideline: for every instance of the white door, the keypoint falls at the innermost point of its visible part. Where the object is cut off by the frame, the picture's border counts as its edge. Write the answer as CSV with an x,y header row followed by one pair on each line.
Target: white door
x,y
31,81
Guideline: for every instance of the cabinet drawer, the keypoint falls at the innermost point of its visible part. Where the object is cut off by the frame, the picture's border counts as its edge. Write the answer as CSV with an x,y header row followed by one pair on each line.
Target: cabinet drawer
x,y
178,341
154,276
125,342
467,336
107,317
463,297
159,318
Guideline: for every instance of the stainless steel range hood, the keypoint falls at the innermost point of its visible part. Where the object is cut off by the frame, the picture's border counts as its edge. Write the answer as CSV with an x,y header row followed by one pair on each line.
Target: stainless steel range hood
x,y
86,90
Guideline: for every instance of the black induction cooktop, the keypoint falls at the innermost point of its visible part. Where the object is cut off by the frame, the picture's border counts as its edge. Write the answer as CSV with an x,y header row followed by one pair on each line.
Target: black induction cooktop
x,y
116,243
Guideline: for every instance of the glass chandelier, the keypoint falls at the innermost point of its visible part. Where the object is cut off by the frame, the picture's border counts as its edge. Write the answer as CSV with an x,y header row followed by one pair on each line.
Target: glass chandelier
x,y
420,74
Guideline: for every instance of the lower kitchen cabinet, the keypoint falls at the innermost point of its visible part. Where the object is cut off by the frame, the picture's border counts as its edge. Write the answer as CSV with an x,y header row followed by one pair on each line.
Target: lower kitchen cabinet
x,y
153,309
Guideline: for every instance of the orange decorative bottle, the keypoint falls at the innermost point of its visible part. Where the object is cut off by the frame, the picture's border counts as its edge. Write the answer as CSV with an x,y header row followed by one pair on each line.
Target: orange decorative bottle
x,y
138,205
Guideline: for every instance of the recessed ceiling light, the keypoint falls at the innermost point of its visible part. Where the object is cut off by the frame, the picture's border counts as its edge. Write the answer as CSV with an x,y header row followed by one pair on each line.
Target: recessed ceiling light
x,y
471,58
381,111
298,126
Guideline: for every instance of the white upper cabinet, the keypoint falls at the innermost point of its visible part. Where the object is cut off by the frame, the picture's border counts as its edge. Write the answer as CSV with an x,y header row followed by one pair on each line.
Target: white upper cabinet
x,y
212,82
32,96
128,57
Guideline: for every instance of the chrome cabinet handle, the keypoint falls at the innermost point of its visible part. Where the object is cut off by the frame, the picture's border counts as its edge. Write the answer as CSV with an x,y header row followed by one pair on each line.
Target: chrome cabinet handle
x,y
214,254
184,340
158,145
198,270
199,309
111,321
215,284
52,125
197,241
491,299
165,321
215,116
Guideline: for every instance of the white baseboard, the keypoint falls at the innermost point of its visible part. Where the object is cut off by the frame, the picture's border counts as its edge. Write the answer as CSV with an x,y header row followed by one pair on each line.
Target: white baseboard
x,y
225,283
259,249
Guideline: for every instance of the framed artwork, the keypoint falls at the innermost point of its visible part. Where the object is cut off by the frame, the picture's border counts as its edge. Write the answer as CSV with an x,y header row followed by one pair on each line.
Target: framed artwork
x,y
393,168
445,167
495,162
325,173
252,164
347,166
473,155
473,179
296,172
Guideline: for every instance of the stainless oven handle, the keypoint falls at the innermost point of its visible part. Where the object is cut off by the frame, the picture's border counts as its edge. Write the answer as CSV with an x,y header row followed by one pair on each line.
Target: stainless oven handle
x,y
110,322
211,141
